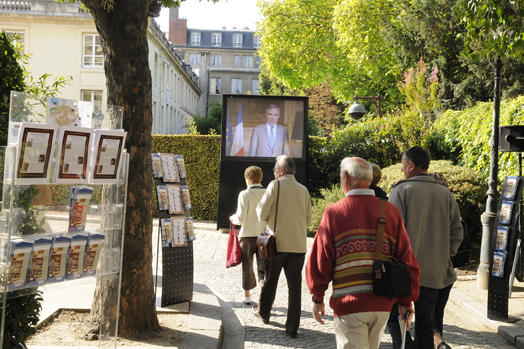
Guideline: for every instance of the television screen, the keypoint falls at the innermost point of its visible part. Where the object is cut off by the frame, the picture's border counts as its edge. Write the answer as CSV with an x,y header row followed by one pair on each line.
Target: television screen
x,y
263,126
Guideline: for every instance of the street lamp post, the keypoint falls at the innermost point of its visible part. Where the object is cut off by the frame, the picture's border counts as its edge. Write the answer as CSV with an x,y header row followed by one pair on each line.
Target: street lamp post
x,y
488,217
357,110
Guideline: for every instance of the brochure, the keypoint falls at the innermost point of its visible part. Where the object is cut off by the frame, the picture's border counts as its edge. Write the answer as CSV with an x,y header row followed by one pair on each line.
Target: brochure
x,y
80,197
74,152
59,253
511,187
185,198
94,246
75,265
35,150
502,238
499,258
158,172
505,212
180,166
190,229
174,195
65,112
169,167
19,263
107,155
39,266
161,192
166,232
179,231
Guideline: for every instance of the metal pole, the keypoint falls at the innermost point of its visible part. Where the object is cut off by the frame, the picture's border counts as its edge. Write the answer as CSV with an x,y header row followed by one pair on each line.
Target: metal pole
x,y
488,217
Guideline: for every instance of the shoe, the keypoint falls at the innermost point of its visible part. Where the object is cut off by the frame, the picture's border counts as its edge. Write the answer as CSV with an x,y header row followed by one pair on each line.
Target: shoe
x,y
247,300
443,345
291,334
255,312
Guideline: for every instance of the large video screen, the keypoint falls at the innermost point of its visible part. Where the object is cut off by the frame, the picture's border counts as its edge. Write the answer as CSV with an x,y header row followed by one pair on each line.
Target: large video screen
x,y
263,126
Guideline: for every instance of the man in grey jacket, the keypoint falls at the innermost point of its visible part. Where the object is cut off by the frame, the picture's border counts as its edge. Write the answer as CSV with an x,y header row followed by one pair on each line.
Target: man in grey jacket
x,y
432,219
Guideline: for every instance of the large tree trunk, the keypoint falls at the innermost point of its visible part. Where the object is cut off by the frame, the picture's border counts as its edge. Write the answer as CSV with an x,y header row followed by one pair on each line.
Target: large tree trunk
x,y
122,25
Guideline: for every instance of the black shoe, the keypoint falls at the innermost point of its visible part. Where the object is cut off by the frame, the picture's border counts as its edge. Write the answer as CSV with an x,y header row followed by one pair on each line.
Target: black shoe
x,y
255,312
291,334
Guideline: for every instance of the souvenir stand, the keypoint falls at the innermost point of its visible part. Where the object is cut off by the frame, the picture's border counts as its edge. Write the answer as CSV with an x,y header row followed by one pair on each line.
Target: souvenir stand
x,y
505,244
175,229
75,160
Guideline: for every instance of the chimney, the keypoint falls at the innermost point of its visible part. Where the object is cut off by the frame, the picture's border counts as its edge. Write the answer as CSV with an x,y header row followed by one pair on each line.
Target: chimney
x,y
177,28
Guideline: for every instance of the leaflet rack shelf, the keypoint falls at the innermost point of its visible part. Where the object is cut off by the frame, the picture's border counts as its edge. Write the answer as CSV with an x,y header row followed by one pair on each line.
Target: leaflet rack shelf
x,y
105,215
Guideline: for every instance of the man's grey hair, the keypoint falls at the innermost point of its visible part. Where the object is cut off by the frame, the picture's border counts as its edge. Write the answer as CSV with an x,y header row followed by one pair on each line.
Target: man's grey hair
x,y
272,106
357,168
287,163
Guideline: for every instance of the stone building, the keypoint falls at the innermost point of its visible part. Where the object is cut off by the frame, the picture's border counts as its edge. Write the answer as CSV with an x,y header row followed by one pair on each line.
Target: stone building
x,y
62,40
226,60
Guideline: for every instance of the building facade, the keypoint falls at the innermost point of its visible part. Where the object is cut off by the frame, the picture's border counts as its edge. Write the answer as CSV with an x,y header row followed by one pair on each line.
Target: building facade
x,y
62,40
226,60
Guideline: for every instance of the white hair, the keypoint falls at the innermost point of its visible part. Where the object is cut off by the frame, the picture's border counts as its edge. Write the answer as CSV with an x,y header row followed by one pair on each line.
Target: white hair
x,y
357,168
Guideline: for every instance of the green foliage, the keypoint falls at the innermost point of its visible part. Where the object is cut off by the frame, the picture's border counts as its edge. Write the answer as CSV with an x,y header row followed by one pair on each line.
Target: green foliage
x,y
12,80
327,197
21,317
210,125
202,160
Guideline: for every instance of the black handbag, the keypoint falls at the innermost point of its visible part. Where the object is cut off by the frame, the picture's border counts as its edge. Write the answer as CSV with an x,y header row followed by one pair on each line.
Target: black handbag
x,y
390,278
266,242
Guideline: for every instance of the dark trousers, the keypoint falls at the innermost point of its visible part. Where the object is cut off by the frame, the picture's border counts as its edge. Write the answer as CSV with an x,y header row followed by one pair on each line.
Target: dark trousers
x,y
292,264
442,300
248,246
424,313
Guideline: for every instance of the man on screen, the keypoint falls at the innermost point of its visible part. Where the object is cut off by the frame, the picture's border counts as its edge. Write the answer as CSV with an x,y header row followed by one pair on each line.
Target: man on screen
x,y
270,138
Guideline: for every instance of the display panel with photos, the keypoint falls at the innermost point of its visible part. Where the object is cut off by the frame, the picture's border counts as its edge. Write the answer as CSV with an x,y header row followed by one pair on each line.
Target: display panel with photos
x,y
247,126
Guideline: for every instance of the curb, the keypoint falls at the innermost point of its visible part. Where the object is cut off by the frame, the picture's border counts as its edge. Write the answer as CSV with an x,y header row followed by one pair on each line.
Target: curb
x,y
510,332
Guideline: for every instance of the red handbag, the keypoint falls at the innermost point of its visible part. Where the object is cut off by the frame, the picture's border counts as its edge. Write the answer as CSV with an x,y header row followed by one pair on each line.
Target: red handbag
x,y
234,254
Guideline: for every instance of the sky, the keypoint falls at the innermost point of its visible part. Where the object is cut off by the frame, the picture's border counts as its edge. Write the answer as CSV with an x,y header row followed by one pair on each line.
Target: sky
x,y
209,15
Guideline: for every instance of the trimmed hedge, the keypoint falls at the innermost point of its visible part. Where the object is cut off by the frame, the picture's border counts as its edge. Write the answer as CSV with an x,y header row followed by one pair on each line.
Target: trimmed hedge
x,y
468,186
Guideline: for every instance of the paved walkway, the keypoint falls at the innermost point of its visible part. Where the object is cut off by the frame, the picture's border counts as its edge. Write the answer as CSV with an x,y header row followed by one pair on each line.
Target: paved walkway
x,y
461,329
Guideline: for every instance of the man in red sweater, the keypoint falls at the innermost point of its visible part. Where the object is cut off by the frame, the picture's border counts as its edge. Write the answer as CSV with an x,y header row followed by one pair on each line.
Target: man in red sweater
x,y
343,252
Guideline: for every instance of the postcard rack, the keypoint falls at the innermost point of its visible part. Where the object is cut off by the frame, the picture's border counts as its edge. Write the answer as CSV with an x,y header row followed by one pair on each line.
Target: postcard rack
x,y
175,229
40,215
504,248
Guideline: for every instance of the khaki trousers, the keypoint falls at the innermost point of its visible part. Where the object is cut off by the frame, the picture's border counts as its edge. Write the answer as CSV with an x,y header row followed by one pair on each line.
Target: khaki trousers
x,y
360,330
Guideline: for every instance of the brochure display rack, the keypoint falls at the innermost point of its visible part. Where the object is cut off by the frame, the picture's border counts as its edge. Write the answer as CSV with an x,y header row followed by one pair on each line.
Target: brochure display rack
x,y
504,248
175,228
62,217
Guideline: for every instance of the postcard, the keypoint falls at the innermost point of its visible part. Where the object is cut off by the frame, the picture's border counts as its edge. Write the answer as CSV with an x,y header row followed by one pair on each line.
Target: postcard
x,y
190,229
36,146
166,232
40,261
502,238
511,187
180,166
58,263
74,152
505,212
499,259
161,192
19,262
185,197
174,196
169,167
75,264
179,231
107,155
158,172
80,197
94,248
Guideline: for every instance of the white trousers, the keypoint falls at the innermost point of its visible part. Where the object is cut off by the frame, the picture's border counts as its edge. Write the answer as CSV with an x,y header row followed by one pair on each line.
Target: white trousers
x,y
360,330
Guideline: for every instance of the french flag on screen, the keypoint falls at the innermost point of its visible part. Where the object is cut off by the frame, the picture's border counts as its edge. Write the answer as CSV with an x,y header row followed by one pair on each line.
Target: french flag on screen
x,y
237,149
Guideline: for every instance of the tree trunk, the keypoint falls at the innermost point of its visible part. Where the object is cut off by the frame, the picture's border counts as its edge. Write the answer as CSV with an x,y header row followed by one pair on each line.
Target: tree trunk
x,y
122,25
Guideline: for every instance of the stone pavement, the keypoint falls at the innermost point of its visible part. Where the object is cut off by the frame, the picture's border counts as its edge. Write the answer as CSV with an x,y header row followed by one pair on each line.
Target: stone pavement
x,y
461,330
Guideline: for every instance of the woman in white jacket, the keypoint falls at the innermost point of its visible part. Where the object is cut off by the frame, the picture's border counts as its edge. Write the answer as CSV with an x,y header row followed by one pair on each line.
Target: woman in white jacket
x,y
251,228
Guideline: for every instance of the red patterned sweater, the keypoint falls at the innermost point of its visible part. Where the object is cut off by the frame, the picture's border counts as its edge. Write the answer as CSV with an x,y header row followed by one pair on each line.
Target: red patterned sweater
x,y
343,252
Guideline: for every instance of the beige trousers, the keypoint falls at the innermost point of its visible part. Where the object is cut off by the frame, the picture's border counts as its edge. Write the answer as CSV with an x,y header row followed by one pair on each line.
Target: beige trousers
x,y
360,330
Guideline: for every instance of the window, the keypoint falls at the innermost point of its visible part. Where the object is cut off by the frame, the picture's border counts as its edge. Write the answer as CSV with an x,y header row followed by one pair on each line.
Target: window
x,y
93,57
216,40
94,97
237,40
195,39
236,86
257,62
257,41
216,60
247,61
255,88
214,87
17,38
194,59
237,61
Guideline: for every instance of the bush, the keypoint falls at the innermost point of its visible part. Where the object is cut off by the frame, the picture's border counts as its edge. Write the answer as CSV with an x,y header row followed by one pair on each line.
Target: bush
x,y
468,186
21,317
